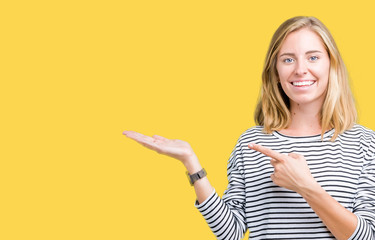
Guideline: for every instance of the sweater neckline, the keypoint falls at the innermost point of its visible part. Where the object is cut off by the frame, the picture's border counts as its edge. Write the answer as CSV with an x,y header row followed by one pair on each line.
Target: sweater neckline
x,y
326,136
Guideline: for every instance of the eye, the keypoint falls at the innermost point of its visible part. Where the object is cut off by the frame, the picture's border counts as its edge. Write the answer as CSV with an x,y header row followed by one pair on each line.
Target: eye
x,y
288,60
313,58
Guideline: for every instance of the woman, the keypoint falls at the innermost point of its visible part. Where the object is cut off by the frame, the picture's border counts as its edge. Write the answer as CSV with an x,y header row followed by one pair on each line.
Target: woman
x,y
307,171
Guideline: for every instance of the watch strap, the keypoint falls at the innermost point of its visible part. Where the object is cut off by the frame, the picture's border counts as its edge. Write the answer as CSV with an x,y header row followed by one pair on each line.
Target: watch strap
x,y
196,176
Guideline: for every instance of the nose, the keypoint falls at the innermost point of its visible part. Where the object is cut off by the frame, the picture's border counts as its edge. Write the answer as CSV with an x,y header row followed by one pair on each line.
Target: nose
x,y
301,68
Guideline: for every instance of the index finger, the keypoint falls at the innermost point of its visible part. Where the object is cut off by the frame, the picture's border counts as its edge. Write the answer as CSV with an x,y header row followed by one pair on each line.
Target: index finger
x,y
267,151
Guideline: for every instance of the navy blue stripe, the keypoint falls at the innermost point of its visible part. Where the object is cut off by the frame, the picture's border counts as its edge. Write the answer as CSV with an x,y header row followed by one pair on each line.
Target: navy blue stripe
x,y
345,168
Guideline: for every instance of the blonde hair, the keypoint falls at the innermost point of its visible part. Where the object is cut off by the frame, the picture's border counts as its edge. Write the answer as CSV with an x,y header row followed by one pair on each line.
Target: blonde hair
x,y
338,110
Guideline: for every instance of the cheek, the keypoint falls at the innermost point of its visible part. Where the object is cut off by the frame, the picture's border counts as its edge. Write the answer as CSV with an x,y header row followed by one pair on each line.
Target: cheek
x,y
284,87
284,74
322,72
328,70
279,72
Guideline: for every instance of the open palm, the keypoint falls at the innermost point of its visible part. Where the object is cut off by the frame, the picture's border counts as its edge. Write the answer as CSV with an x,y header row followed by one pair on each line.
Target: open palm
x,y
175,148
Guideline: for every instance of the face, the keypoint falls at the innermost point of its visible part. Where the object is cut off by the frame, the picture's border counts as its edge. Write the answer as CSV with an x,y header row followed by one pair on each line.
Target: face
x,y
303,67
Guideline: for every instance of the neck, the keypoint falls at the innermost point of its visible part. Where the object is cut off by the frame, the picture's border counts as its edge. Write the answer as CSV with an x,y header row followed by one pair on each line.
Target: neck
x,y
305,120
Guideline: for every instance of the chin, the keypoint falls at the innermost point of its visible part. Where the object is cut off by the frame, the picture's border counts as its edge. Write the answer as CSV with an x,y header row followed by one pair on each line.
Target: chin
x,y
307,101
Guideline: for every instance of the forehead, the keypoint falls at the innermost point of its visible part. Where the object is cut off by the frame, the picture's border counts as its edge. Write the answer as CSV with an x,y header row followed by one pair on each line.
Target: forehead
x,y
302,40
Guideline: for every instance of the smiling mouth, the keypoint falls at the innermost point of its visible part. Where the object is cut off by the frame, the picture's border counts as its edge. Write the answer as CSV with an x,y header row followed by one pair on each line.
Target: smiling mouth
x,y
303,83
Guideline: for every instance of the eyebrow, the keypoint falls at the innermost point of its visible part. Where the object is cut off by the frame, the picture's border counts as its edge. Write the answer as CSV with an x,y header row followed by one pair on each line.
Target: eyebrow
x,y
308,52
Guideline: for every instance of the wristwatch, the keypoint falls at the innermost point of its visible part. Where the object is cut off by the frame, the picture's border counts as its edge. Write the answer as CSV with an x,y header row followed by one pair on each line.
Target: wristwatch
x,y
196,176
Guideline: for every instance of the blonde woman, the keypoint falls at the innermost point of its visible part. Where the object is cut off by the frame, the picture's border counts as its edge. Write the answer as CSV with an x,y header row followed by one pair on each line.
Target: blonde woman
x,y
307,171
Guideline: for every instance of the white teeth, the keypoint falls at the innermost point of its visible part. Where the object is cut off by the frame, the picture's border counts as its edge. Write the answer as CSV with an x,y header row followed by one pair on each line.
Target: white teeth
x,y
303,83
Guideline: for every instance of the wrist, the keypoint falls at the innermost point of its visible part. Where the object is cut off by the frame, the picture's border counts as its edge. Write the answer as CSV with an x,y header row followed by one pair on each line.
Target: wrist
x,y
192,165
314,190
196,176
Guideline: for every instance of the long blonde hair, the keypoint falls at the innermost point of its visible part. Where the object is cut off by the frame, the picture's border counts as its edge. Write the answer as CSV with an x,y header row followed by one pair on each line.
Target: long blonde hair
x,y
338,110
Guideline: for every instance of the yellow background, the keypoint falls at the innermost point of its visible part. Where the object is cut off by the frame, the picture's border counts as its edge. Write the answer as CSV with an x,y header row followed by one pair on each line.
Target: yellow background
x,y
75,74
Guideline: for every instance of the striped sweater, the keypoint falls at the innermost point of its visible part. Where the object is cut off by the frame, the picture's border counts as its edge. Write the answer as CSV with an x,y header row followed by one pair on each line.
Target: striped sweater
x,y
345,168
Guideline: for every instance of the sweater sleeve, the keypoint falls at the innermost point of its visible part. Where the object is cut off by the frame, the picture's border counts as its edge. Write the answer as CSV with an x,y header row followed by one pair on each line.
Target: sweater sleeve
x,y
364,203
226,216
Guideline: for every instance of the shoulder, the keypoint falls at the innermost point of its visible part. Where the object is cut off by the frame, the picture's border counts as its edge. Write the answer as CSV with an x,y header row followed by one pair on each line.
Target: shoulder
x,y
360,136
253,134
359,132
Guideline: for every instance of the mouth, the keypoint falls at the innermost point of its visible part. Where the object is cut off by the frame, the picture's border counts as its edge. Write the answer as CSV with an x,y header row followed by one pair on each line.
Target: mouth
x,y
304,83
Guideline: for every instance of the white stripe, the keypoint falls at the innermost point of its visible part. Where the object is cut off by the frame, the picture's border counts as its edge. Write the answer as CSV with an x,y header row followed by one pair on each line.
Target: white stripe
x,y
345,168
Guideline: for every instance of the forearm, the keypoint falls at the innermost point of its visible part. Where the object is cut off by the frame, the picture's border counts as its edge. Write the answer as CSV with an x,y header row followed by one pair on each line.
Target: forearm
x,y
202,187
339,220
225,218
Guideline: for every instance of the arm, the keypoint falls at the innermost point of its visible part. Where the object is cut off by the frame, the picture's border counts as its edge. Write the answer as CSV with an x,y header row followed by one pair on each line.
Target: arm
x,y
339,220
292,172
202,187
179,150
364,203
226,218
